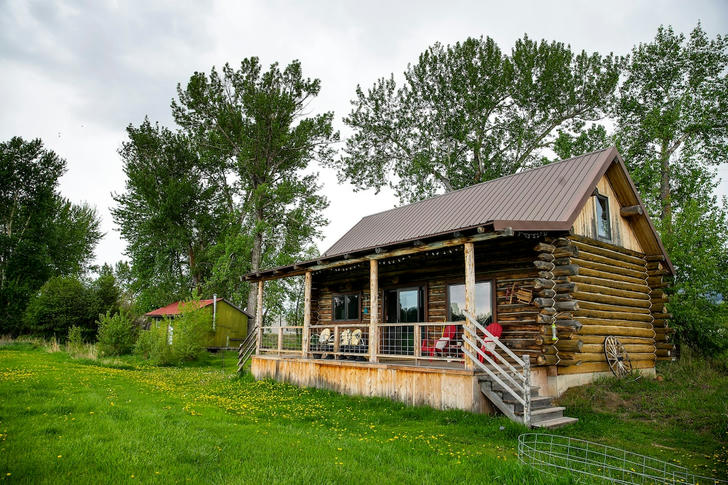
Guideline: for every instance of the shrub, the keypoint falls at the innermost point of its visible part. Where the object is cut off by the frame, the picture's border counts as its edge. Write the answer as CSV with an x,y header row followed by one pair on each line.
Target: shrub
x,y
191,333
117,334
153,344
74,342
62,302
173,341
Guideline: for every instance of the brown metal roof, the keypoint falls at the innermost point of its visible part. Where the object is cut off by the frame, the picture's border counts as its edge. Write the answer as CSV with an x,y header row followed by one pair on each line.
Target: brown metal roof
x,y
543,198
547,198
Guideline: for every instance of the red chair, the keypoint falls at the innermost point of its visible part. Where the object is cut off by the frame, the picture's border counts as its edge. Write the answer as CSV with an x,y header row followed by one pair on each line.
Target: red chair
x,y
442,344
488,344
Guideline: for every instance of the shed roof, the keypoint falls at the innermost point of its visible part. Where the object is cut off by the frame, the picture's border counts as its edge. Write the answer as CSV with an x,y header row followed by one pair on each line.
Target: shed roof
x,y
175,309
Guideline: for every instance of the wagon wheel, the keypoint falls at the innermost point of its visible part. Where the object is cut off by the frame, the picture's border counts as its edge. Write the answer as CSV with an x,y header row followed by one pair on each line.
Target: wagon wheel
x,y
617,356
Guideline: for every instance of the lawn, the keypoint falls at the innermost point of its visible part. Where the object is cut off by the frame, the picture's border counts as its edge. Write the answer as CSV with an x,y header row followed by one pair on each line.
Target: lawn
x,y
120,420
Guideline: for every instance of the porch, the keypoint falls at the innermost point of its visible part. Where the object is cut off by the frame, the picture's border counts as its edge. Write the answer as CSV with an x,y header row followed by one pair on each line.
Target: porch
x,y
351,343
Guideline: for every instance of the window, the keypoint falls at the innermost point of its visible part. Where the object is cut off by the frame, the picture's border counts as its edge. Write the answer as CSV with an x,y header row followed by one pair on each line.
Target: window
x,y
346,307
483,302
405,305
604,231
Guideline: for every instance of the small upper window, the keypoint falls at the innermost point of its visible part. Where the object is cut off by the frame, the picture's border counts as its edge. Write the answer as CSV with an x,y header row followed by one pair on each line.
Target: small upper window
x,y
346,307
604,229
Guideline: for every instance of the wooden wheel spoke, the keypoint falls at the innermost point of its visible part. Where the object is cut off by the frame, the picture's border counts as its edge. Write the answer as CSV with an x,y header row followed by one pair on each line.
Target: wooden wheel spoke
x,y
617,356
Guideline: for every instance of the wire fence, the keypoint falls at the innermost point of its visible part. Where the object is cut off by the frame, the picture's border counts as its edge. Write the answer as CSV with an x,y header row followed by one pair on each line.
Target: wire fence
x,y
553,454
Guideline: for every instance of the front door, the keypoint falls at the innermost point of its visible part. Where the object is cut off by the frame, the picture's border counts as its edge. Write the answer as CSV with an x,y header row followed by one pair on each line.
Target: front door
x,y
403,305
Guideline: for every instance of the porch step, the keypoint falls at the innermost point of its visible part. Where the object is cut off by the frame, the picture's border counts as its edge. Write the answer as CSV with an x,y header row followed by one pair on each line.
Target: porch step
x,y
538,402
555,423
543,413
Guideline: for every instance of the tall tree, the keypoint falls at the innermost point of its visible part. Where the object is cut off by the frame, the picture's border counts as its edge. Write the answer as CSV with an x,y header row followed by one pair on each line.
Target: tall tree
x,y
171,213
671,122
468,113
41,234
257,122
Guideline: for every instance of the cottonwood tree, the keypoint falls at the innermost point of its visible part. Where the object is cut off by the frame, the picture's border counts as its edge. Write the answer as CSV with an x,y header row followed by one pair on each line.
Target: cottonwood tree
x,y
468,112
672,130
671,116
171,213
256,121
41,234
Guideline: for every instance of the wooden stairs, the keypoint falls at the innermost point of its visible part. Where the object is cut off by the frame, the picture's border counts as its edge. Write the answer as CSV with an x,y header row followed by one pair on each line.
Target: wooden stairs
x,y
543,413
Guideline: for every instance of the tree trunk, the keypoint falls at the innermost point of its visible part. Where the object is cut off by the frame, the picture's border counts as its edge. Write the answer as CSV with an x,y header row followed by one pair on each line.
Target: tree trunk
x,y
255,257
666,214
193,270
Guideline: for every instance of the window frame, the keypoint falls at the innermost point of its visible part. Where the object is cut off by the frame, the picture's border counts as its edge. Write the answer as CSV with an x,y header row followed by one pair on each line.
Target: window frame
x,y
493,295
597,223
344,294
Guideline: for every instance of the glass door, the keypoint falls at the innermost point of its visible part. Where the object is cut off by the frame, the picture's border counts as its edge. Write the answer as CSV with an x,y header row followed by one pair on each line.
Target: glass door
x,y
404,305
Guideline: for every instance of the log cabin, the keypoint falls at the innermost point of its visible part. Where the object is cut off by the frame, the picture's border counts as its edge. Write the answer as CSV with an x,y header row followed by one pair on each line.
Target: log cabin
x,y
562,257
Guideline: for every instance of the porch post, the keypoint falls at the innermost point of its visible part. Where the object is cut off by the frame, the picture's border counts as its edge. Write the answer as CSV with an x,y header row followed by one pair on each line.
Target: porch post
x,y
373,310
259,317
306,312
469,294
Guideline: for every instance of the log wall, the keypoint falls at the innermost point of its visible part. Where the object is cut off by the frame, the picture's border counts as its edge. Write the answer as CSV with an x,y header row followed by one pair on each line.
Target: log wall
x,y
656,272
611,295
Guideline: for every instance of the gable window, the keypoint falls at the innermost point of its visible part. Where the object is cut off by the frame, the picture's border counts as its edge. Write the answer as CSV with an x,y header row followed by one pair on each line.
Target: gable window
x,y
346,306
604,230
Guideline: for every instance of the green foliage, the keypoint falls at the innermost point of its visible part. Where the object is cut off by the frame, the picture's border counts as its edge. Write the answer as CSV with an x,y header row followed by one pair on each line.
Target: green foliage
x,y
61,303
671,116
231,191
117,334
106,292
191,334
171,213
255,125
152,344
697,242
43,235
74,341
468,112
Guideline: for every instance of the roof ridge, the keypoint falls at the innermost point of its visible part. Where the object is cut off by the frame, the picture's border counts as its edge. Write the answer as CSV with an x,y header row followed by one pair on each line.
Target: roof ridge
x,y
533,169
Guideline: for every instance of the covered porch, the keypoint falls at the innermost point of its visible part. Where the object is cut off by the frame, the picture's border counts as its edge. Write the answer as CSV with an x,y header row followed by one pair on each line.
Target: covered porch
x,y
422,345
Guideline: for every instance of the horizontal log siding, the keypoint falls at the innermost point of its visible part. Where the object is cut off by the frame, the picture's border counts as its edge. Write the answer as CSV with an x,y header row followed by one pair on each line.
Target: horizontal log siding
x,y
613,296
663,332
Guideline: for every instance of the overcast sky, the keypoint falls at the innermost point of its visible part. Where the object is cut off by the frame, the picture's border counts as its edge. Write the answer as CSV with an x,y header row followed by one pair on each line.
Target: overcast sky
x,y
76,74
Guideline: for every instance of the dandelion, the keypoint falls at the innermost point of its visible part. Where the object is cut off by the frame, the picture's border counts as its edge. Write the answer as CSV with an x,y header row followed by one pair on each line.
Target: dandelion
x,y
60,456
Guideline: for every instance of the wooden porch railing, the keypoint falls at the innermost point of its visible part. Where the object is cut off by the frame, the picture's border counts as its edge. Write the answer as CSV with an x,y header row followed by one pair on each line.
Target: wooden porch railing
x,y
515,381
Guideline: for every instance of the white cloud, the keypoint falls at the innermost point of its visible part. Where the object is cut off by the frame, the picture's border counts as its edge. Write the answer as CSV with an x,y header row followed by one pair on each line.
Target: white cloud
x,y
86,70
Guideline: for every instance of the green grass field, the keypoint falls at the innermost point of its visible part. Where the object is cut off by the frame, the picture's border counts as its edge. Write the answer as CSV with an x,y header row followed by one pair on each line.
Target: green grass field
x,y
120,420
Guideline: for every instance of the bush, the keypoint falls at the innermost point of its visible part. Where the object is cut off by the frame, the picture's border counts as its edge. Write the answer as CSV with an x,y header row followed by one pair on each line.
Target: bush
x,y
61,303
189,336
152,344
117,334
74,343
191,333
